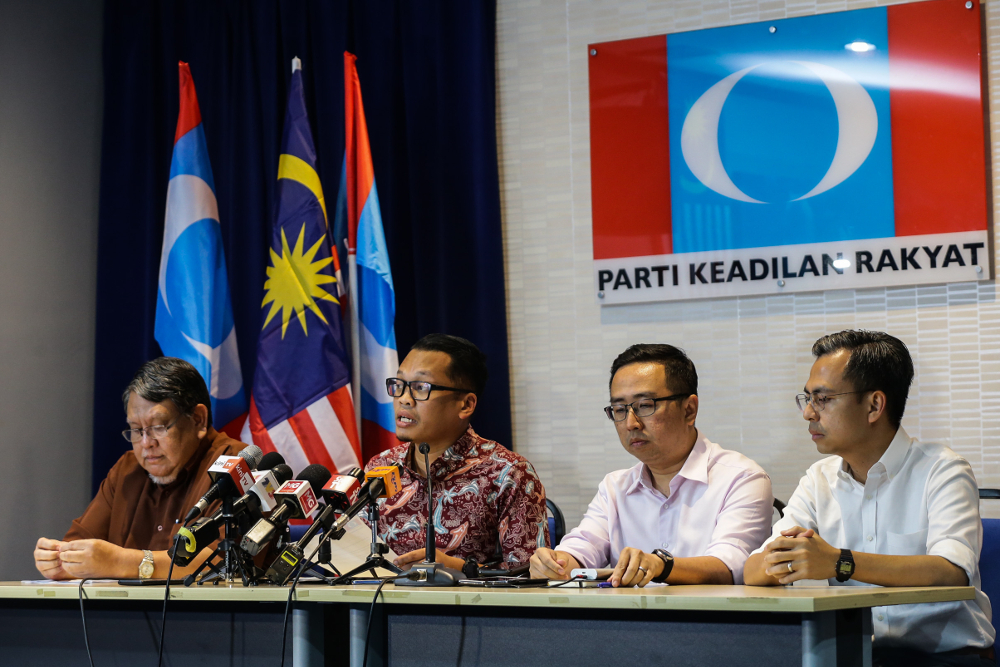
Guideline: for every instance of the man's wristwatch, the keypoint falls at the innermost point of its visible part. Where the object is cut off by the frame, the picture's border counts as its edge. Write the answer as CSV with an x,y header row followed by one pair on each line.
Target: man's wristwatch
x,y
845,566
146,565
668,565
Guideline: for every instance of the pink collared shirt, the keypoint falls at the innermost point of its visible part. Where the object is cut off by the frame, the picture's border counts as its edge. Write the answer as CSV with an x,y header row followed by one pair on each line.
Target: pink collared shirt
x,y
720,505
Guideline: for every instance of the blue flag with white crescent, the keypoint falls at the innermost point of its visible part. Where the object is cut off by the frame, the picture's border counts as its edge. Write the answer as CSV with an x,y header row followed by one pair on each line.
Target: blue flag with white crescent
x,y
194,315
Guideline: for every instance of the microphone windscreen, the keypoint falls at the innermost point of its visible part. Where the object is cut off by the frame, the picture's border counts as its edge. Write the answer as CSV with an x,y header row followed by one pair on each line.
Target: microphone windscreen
x,y
270,460
317,476
252,455
282,473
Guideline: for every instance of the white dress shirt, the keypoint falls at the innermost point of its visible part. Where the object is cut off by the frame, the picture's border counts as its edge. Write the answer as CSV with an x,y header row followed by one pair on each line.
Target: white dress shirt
x,y
720,505
919,499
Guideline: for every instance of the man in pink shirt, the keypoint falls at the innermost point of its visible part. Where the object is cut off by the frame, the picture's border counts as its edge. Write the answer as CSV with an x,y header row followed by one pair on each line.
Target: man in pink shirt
x,y
689,512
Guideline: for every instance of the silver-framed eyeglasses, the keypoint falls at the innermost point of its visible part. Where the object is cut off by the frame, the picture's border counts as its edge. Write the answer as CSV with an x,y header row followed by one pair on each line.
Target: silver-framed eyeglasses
x,y
154,432
420,391
644,407
819,401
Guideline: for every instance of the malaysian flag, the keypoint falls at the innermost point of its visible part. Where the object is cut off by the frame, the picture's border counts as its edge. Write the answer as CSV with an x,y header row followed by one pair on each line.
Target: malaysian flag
x,y
301,403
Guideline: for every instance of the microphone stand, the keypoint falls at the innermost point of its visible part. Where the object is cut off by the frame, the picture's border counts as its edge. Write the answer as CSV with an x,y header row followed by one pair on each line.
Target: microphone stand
x,y
376,556
232,558
427,572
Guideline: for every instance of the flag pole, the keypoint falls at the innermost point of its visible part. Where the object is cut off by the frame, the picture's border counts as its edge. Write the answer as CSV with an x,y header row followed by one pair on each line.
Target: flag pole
x,y
352,284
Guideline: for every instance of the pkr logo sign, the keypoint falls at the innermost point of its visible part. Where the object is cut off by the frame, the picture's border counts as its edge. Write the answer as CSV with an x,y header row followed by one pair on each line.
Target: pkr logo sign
x,y
857,124
770,130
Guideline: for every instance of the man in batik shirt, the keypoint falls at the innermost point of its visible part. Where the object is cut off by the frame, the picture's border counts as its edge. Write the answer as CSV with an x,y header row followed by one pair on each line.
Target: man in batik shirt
x,y
489,505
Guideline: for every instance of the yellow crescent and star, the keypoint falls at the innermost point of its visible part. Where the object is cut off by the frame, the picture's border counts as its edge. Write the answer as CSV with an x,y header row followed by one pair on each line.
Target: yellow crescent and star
x,y
294,281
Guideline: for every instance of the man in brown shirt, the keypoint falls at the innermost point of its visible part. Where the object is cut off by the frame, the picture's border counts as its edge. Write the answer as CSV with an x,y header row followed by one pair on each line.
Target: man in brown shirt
x,y
132,518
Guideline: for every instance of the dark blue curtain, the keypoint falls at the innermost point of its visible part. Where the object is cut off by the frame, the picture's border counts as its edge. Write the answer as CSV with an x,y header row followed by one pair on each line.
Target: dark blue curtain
x,y
427,76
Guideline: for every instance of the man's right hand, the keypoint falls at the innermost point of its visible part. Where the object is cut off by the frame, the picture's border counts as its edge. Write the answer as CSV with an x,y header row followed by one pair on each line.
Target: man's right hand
x,y
47,559
550,564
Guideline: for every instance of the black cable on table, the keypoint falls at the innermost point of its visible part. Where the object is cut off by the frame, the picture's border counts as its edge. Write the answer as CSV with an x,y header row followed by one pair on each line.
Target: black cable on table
x,y
83,616
166,596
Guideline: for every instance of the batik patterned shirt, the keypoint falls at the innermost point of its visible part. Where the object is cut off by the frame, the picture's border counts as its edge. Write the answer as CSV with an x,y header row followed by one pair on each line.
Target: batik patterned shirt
x,y
488,503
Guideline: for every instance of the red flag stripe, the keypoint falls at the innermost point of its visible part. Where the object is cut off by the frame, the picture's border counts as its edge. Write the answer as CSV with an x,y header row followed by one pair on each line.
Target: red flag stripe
x,y
189,116
261,437
343,407
376,439
310,439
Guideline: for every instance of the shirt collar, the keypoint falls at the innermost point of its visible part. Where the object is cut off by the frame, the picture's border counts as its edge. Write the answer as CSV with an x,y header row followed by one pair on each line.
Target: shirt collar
x,y
695,468
891,461
452,458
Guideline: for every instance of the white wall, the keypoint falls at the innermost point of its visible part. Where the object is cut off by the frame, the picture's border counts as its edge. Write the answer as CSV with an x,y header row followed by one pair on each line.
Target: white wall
x,y
50,128
752,353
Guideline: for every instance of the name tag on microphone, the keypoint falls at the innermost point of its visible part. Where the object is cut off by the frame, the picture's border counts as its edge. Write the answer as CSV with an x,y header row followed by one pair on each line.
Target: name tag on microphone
x,y
305,499
235,468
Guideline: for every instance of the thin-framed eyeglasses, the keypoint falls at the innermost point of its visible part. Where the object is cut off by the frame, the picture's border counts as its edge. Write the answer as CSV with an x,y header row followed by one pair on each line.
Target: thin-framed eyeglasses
x,y
819,401
420,391
154,432
644,407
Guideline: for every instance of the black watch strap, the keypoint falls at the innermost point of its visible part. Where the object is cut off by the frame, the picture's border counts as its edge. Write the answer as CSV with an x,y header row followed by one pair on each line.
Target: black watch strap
x,y
845,566
668,565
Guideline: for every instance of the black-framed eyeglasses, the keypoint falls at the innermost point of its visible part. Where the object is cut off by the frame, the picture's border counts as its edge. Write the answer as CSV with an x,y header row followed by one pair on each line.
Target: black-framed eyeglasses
x,y
154,432
644,407
420,391
819,401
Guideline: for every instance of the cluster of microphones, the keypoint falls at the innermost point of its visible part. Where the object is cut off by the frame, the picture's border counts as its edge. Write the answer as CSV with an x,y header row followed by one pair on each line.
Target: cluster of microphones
x,y
260,496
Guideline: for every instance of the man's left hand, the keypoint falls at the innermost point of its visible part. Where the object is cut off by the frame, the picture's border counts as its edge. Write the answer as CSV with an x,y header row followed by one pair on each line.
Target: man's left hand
x,y
408,559
636,568
96,559
808,554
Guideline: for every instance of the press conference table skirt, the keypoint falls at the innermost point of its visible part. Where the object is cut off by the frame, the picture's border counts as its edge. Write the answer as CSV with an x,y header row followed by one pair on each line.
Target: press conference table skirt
x,y
471,627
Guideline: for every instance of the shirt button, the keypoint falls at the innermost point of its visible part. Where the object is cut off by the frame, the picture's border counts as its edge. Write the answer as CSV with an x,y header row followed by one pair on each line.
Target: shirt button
x,y
868,497
881,617
159,527
870,538
665,545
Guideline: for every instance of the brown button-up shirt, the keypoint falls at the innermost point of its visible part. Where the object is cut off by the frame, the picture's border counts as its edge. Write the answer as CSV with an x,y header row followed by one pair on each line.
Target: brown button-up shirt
x,y
130,510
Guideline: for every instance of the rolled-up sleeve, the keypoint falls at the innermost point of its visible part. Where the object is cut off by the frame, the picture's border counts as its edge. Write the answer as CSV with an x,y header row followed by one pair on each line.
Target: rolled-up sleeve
x,y
743,522
590,542
954,529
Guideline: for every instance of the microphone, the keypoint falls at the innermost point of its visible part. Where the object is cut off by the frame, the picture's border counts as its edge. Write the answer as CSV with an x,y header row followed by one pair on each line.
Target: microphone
x,y
340,493
230,475
259,499
297,499
427,572
380,482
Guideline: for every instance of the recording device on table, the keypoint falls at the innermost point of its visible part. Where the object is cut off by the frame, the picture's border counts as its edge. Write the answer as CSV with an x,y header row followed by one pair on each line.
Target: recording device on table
x,y
427,572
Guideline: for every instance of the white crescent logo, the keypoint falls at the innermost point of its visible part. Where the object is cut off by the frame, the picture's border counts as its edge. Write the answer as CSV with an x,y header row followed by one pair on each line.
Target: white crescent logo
x,y
857,121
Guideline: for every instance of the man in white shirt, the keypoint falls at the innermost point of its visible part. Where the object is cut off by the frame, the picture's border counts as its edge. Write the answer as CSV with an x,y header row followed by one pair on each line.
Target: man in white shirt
x,y
689,512
883,509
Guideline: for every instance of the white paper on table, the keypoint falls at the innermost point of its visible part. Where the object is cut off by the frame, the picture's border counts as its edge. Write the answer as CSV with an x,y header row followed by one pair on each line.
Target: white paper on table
x,y
353,548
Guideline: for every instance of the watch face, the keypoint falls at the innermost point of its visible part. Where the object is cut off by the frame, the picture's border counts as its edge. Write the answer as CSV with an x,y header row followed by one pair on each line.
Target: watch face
x,y
146,569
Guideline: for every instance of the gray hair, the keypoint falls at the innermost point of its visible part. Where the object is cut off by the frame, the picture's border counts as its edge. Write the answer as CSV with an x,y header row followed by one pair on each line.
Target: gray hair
x,y
170,378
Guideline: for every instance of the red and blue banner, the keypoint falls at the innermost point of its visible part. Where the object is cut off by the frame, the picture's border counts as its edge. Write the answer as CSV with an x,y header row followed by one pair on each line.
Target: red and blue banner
x,y
194,314
372,289
301,404
840,150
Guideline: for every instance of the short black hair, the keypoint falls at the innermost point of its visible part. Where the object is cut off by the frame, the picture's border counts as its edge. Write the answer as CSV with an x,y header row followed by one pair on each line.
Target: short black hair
x,y
681,374
468,363
170,378
879,362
